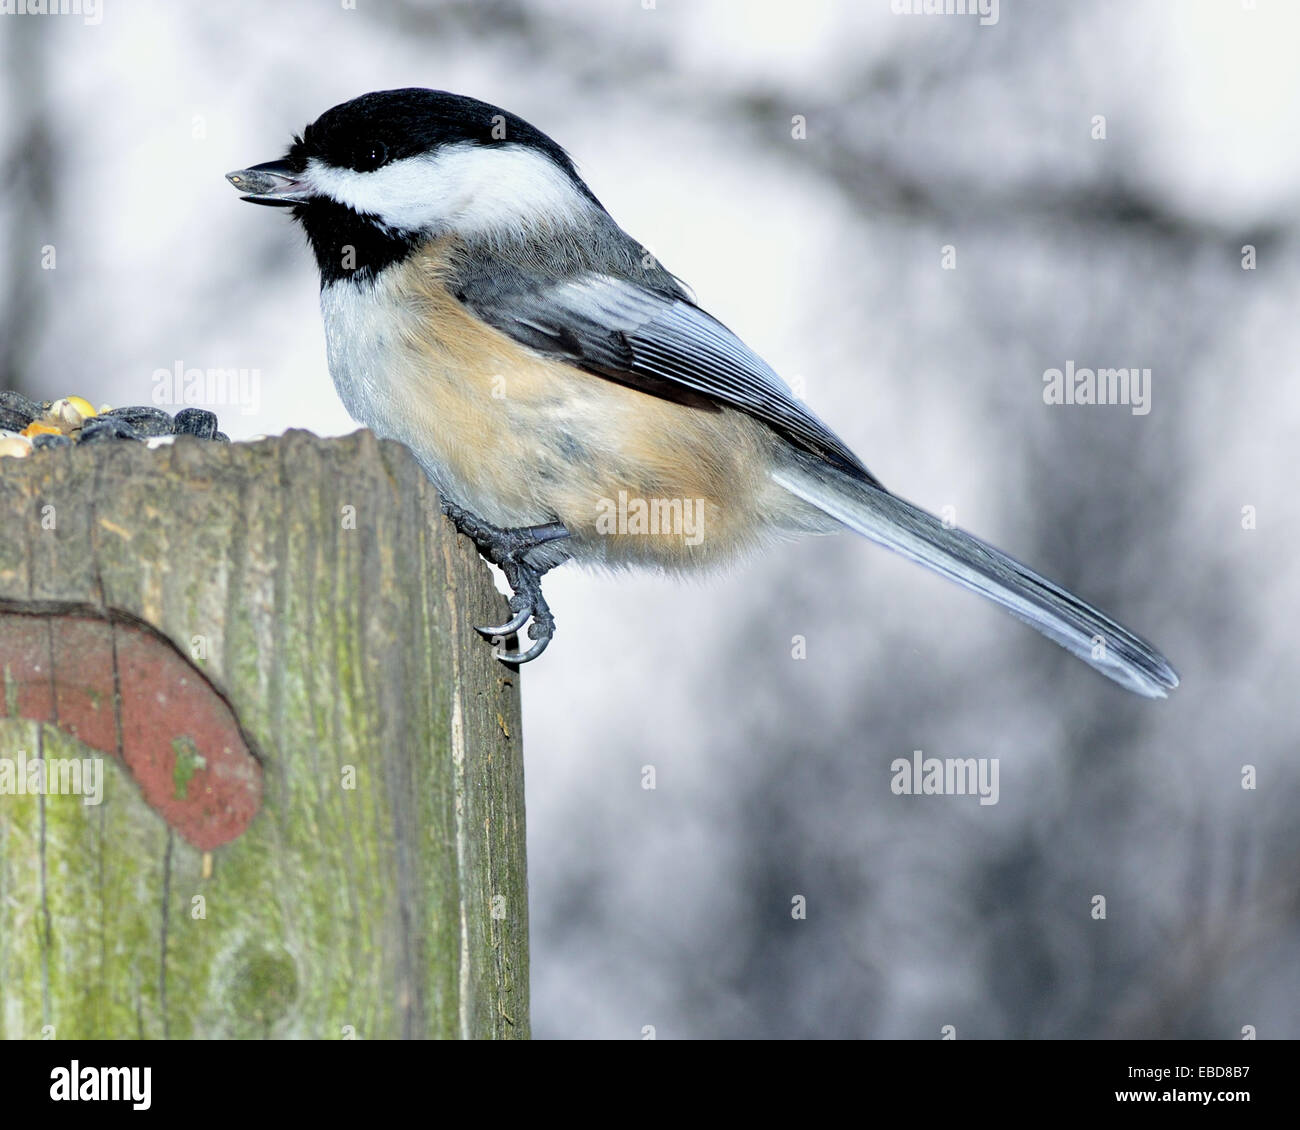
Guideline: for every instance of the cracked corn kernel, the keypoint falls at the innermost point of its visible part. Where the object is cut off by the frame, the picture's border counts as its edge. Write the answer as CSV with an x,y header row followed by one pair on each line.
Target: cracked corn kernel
x,y
69,413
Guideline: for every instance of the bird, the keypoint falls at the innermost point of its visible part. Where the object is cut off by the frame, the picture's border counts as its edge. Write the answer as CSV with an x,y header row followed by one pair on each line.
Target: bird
x,y
566,394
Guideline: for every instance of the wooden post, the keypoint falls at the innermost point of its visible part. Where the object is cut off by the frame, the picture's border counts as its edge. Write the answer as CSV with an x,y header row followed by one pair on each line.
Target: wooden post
x,y
312,815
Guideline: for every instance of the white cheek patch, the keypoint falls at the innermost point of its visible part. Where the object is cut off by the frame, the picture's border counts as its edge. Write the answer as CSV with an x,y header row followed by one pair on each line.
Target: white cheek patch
x,y
468,188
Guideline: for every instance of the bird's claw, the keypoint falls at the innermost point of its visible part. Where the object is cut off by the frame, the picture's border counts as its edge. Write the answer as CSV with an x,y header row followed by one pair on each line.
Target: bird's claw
x,y
527,603
509,628
508,549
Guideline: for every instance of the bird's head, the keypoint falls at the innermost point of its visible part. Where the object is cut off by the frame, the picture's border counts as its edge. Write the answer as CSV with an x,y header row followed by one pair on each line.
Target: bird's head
x,y
389,170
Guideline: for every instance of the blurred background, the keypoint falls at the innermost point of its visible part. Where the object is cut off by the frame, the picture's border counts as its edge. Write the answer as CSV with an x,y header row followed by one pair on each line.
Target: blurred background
x,y
970,204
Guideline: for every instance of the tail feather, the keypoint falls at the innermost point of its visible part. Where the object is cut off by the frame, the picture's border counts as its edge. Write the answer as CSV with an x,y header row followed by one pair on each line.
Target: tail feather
x,y
1060,615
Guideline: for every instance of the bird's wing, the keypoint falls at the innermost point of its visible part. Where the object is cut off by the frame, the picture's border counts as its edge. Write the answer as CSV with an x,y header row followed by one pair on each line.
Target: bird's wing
x,y
655,341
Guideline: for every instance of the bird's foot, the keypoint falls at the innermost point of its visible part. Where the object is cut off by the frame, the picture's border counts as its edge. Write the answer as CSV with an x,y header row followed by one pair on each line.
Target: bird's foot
x,y
509,549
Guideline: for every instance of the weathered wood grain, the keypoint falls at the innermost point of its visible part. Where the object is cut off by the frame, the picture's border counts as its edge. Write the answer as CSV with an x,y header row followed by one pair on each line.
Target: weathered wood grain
x,y
381,890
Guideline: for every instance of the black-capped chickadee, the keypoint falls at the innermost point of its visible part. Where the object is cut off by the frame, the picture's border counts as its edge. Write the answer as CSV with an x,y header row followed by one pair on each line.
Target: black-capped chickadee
x,y
564,392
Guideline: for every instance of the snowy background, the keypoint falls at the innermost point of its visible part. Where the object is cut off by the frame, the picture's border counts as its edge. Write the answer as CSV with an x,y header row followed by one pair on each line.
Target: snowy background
x,y
671,907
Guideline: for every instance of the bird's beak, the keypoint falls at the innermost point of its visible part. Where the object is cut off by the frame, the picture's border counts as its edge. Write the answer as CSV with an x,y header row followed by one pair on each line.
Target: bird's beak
x,y
272,182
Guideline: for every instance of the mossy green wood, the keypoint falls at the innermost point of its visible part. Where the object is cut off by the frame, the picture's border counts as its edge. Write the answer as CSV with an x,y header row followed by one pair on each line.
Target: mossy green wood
x,y
316,585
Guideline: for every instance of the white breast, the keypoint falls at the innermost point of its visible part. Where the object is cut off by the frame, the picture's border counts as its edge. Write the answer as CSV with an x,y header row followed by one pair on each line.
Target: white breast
x,y
389,362
361,327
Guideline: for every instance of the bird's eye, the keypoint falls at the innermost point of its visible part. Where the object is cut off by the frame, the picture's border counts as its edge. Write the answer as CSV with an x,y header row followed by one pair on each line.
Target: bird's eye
x,y
370,157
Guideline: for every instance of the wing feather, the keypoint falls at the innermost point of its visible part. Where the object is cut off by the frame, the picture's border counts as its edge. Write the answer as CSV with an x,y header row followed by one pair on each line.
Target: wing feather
x,y
655,340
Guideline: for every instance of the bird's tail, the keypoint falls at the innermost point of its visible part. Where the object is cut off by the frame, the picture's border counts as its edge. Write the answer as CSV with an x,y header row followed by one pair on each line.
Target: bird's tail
x,y
1061,616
